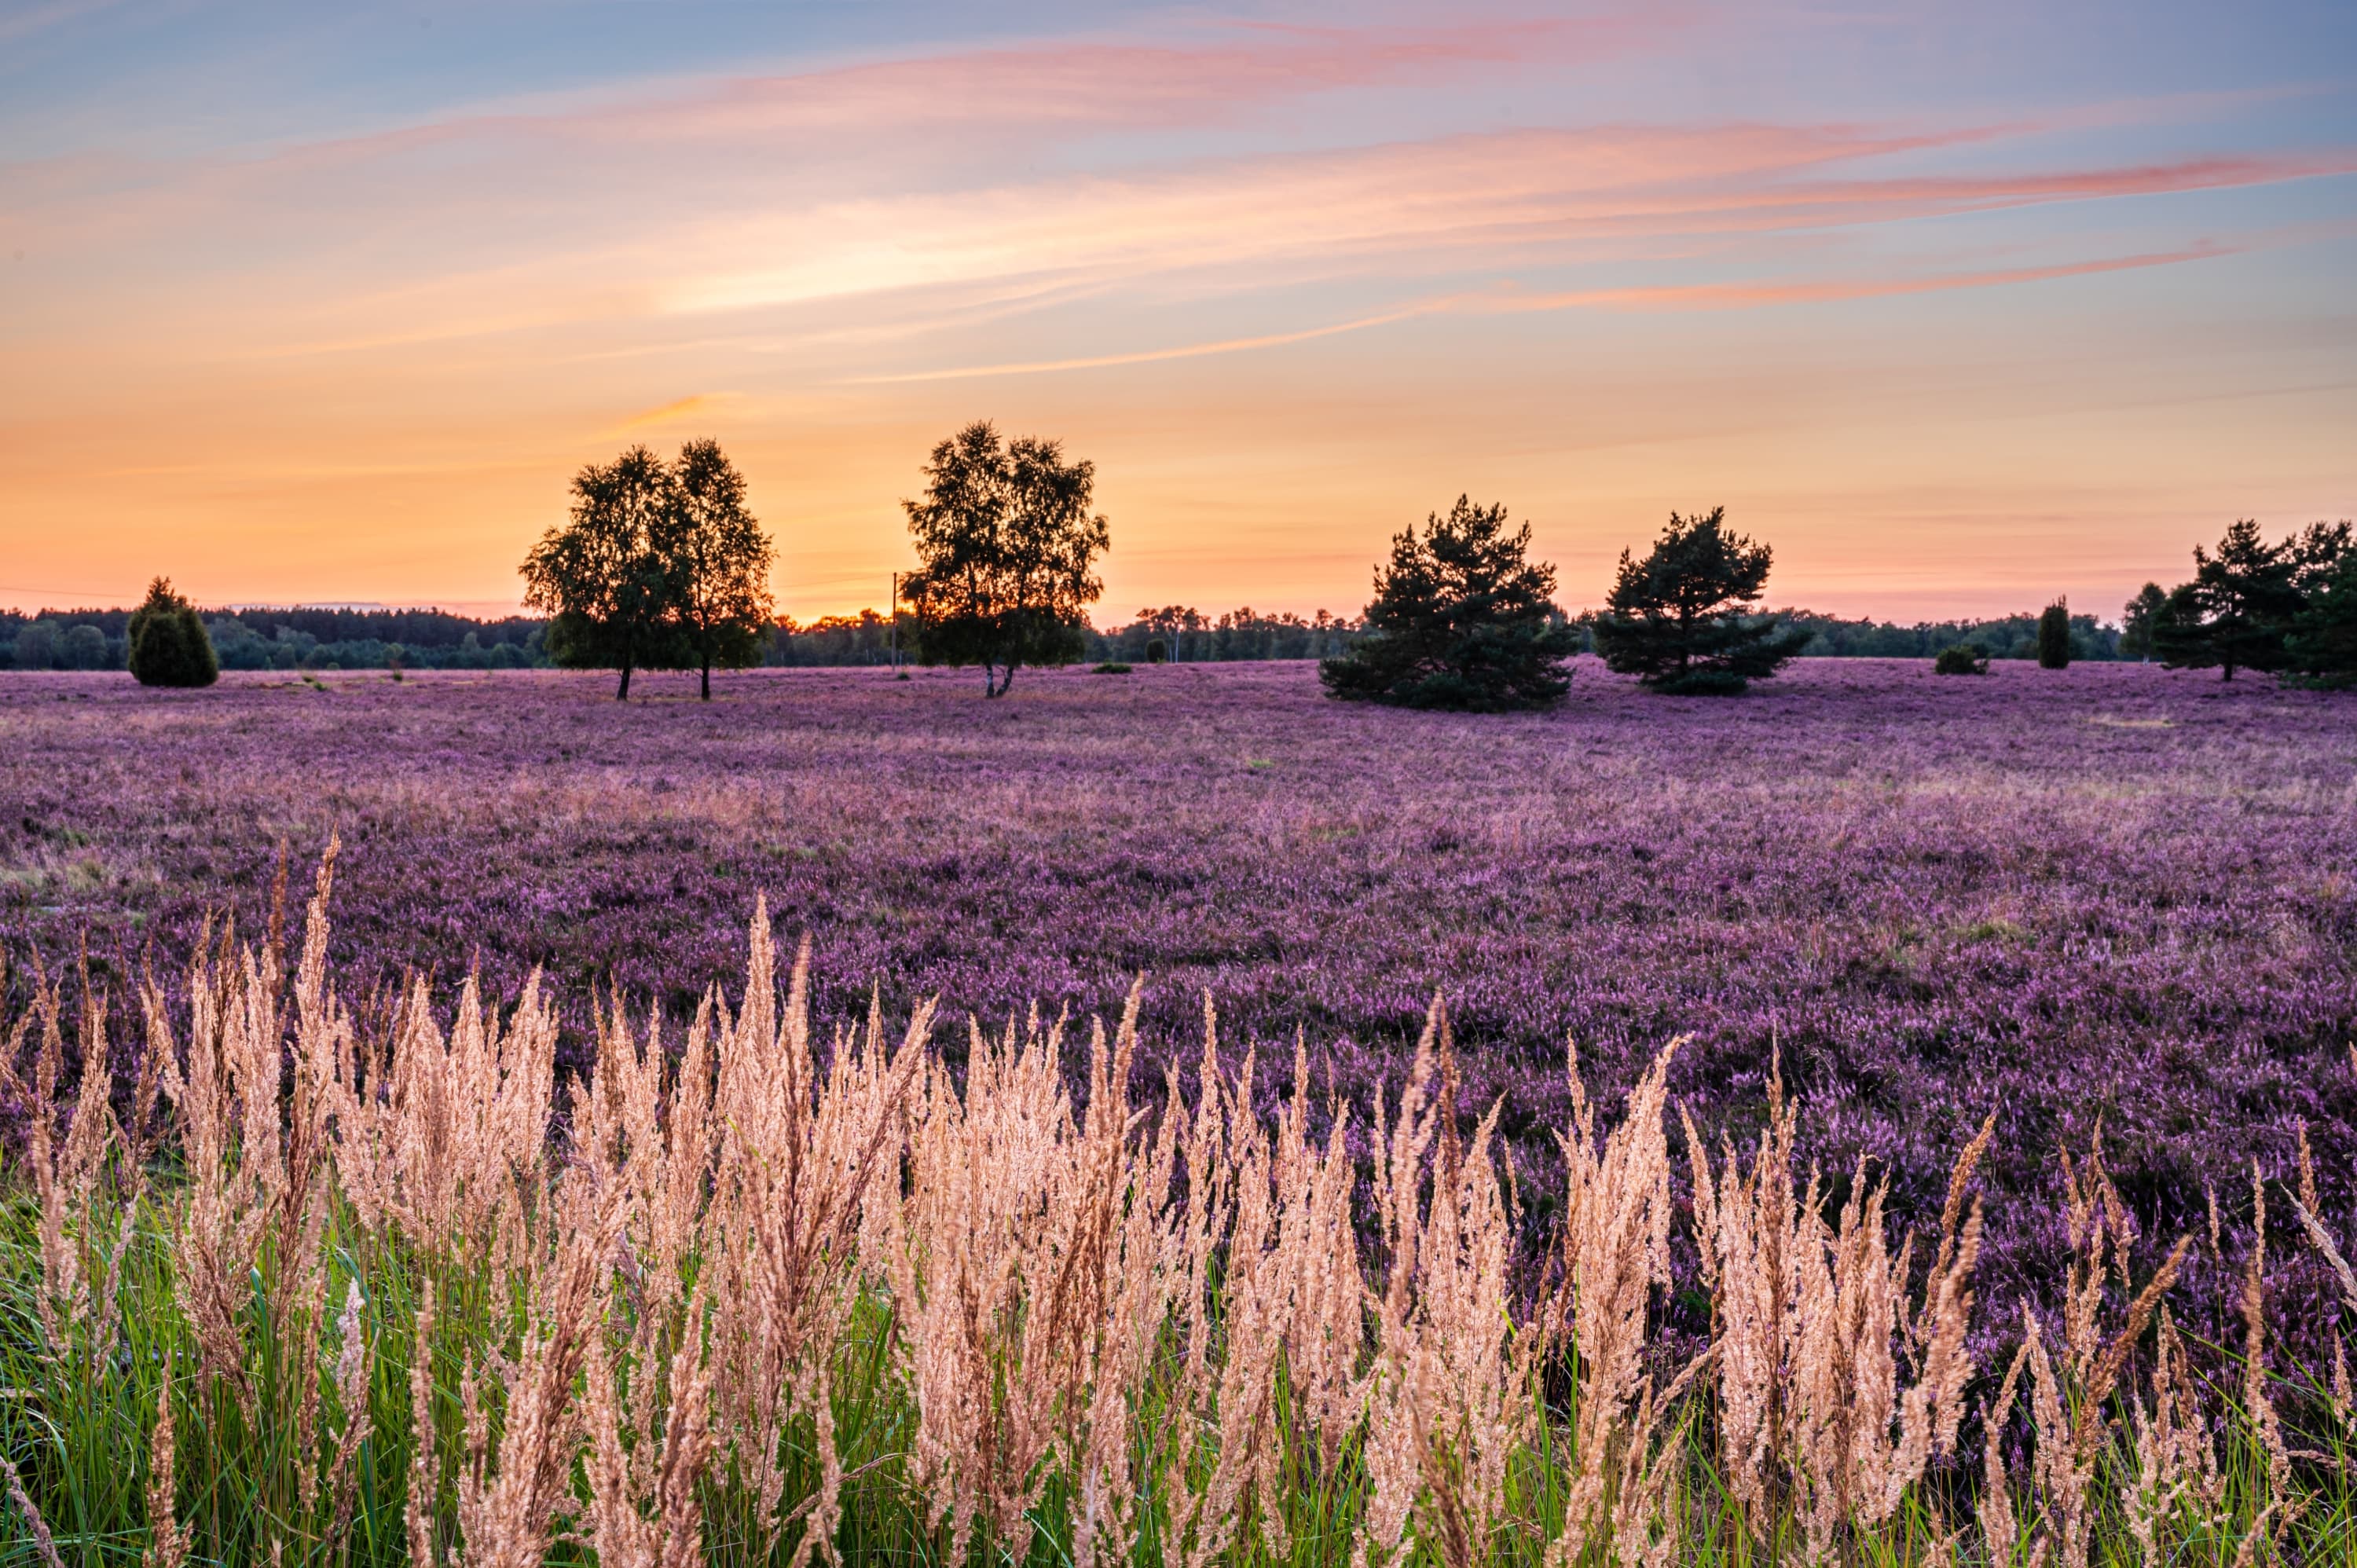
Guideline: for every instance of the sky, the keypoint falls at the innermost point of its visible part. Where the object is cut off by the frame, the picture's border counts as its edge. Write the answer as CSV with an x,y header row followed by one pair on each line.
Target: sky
x,y
1960,306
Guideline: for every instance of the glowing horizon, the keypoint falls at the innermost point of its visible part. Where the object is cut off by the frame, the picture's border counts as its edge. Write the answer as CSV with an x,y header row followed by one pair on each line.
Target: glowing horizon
x,y
1961,307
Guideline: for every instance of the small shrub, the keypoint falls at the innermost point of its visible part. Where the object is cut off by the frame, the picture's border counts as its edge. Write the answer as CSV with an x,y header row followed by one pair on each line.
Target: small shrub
x,y
169,644
1110,667
1962,659
1157,651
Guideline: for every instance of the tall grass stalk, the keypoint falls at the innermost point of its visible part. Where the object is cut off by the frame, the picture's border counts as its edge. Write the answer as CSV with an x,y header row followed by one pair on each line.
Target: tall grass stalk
x,y
334,1295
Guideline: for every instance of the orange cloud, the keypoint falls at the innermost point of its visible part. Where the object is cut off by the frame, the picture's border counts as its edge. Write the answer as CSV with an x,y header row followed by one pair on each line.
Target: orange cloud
x,y
668,413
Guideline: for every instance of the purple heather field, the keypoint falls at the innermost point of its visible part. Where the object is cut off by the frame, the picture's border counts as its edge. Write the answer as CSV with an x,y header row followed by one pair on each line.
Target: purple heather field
x,y
2111,895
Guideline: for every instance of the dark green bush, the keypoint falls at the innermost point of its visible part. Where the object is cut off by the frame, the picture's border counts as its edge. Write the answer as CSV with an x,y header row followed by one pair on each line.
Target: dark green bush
x,y
2054,636
1110,667
169,646
1157,651
1964,659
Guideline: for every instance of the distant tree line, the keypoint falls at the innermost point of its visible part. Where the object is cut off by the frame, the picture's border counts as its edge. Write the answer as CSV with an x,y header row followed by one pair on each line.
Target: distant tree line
x,y
1173,634
399,639
1177,634
286,638
2005,637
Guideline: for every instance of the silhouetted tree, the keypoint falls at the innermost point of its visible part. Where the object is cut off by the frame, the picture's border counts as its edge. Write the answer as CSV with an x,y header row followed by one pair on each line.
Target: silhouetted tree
x,y
2234,613
607,585
2137,620
1683,619
2322,643
1007,543
720,562
2054,636
1461,618
168,646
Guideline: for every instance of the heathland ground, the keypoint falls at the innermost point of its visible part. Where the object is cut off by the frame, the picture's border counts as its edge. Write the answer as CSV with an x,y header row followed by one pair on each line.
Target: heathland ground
x,y
2111,901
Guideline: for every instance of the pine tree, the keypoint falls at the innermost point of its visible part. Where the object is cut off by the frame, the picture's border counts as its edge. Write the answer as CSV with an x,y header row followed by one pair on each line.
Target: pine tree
x,y
1682,619
169,644
2235,614
1462,619
2054,636
2322,643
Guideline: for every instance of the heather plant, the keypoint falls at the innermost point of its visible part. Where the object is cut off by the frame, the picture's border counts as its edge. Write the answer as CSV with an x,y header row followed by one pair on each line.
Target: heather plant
x,y
753,1296
2124,897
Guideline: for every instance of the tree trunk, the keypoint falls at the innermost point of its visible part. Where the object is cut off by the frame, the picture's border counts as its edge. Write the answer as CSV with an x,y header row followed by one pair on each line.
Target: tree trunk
x,y
1007,680
707,677
622,692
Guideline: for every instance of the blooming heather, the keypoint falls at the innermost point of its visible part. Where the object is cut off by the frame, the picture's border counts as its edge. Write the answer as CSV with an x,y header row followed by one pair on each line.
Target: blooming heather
x,y
2113,897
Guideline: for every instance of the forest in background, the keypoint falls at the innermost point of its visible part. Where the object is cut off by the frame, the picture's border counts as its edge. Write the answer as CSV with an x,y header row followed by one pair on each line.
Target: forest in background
x,y
301,637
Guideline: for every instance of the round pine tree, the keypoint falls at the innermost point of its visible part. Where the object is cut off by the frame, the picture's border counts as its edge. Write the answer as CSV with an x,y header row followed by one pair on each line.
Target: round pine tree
x,y
2054,636
169,646
1683,618
1462,619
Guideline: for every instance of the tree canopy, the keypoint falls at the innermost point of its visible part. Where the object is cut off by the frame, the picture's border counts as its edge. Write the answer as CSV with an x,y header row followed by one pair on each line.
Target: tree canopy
x,y
2323,639
169,645
1683,618
720,562
1006,543
2137,618
1461,618
658,568
2238,610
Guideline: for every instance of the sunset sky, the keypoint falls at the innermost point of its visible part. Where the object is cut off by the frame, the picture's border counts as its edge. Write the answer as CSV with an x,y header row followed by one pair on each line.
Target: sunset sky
x,y
1960,304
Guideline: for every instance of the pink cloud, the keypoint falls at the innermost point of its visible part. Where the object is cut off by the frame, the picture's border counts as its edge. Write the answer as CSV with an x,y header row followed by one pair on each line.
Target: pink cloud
x,y
1497,201
1689,296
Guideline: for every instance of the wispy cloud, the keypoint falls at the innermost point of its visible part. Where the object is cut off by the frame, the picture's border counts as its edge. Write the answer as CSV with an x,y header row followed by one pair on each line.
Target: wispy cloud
x,y
1517,199
1687,297
670,412
370,321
